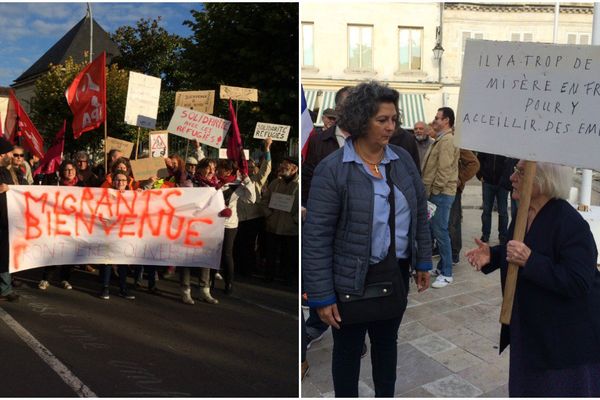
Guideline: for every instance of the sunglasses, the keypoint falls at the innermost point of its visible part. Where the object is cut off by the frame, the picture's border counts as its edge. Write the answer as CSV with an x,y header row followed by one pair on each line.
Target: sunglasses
x,y
18,155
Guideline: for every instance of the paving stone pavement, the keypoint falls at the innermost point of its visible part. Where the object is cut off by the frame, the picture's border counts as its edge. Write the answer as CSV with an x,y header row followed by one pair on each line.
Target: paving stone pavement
x,y
448,339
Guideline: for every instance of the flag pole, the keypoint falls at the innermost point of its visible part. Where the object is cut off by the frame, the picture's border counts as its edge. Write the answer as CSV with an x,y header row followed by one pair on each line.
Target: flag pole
x,y
137,143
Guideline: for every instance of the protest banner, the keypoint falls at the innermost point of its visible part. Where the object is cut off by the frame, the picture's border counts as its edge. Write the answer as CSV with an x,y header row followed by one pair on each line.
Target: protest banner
x,y
123,146
145,168
199,100
238,93
223,154
531,101
143,93
199,126
159,144
62,225
273,131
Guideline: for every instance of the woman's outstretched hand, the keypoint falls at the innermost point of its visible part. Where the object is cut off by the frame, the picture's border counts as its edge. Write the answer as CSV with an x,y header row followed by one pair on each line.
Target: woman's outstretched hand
x,y
479,256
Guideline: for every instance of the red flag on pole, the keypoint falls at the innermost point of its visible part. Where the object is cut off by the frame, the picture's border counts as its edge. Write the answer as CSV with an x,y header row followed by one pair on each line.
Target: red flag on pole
x,y
235,147
87,97
53,156
19,124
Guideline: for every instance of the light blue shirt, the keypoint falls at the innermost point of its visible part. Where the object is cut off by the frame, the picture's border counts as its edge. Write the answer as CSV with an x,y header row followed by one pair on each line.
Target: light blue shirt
x,y
380,235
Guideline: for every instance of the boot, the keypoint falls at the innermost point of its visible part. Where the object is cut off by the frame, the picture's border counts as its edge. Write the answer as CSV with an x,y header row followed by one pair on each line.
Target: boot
x,y
205,296
186,296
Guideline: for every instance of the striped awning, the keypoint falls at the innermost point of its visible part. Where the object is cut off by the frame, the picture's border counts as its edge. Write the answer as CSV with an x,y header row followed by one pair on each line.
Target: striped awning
x,y
411,105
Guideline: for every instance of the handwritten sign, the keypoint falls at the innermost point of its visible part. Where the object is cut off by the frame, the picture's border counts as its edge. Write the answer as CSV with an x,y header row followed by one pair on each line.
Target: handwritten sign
x,y
199,126
159,144
200,100
145,168
238,93
143,94
123,146
282,202
223,154
273,131
532,101
61,225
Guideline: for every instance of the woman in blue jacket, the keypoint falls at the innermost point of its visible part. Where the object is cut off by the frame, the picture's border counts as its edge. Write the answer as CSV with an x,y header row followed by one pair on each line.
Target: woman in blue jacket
x,y
554,333
357,227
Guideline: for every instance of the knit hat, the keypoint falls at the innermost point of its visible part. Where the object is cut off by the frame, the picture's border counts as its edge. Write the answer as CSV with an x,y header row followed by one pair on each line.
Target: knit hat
x,y
5,146
191,160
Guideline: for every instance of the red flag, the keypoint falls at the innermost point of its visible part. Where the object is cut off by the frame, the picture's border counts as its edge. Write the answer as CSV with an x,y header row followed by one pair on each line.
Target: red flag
x,y
53,156
19,124
235,147
87,97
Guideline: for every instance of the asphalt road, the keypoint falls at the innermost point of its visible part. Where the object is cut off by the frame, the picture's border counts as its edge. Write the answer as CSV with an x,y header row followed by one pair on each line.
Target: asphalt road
x,y
60,343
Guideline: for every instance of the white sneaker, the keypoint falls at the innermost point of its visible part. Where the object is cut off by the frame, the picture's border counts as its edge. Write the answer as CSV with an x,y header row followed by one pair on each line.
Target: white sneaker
x,y
43,285
66,285
186,296
441,281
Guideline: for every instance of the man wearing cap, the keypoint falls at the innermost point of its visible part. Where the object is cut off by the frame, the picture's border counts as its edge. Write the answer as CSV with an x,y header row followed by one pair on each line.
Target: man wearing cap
x,y
6,292
280,207
329,117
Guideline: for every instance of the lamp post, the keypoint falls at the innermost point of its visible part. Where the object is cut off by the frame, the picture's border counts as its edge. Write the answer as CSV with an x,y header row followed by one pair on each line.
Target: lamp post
x,y
438,51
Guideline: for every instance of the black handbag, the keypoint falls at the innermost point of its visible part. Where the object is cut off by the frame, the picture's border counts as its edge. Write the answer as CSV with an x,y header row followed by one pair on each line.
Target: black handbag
x,y
386,284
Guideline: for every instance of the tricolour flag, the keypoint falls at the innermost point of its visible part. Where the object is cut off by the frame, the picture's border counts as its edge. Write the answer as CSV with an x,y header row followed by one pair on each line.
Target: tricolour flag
x,y
235,147
51,161
306,126
87,97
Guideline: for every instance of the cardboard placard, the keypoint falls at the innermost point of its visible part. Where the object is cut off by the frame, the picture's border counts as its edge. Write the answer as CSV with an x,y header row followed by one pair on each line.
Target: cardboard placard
x,y
273,131
145,168
199,100
123,146
223,154
282,202
159,144
199,126
238,93
143,93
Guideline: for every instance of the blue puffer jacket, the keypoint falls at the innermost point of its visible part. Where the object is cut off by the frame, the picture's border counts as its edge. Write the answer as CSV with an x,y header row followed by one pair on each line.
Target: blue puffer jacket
x,y
336,236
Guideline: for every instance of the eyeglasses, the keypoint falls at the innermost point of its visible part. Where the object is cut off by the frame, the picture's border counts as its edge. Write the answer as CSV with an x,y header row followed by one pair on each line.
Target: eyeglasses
x,y
121,180
21,155
518,171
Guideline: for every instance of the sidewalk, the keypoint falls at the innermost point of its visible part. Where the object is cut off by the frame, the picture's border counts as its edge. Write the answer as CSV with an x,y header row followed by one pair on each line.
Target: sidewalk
x,y
448,340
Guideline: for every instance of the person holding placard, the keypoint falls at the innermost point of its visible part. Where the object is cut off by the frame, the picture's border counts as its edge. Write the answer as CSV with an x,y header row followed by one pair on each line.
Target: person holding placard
x,y
365,229
280,207
554,331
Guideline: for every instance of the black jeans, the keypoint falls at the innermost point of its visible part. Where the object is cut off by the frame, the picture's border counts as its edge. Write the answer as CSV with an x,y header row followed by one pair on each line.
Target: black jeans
x,y
286,247
245,250
347,346
454,225
227,265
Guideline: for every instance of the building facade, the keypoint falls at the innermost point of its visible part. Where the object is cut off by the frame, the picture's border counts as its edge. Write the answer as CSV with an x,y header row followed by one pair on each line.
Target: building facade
x,y
343,44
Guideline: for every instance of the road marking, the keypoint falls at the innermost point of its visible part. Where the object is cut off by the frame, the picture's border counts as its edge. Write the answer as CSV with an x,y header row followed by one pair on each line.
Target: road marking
x,y
294,317
61,369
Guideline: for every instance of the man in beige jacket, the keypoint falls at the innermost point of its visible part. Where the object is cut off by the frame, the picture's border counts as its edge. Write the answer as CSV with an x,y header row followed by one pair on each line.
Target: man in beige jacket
x,y
440,176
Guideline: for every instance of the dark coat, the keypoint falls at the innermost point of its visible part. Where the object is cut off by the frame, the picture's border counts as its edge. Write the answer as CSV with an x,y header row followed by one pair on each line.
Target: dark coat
x,y
408,142
336,236
319,146
491,168
5,177
558,290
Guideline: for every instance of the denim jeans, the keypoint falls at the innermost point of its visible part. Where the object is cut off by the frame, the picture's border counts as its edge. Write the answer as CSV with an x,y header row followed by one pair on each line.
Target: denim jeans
x,y
105,276
491,192
5,284
314,326
439,226
347,346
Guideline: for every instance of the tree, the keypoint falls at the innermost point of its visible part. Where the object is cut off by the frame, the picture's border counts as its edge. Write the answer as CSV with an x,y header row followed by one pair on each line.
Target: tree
x,y
50,108
248,45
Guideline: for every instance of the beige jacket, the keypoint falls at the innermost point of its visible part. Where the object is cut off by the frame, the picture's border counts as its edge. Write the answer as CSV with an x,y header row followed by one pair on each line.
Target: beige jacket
x,y
278,221
249,210
440,167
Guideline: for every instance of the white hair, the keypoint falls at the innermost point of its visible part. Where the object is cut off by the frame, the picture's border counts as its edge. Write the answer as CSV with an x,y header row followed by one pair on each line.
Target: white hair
x,y
554,180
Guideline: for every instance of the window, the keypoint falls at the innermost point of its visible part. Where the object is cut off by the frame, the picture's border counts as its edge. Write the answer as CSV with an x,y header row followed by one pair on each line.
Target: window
x,y
360,47
308,45
410,49
465,36
521,37
578,38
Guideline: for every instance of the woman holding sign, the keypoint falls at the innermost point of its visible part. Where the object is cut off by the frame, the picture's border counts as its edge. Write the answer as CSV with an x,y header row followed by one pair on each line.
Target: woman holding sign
x,y
366,227
554,333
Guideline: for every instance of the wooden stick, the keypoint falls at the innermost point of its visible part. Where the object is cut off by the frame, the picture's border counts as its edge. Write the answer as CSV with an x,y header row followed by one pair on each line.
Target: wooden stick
x,y
137,143
519,234
105,150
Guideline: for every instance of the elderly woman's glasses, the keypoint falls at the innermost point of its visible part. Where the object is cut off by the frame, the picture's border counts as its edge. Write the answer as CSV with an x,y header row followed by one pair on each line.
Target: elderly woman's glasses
x,y
518,171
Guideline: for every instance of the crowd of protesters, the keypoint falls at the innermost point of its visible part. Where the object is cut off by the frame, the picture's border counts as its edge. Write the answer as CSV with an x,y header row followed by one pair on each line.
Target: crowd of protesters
x,y
258,240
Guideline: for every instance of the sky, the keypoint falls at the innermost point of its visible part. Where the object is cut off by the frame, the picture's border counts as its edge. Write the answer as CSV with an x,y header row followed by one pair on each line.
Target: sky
x,y
30,29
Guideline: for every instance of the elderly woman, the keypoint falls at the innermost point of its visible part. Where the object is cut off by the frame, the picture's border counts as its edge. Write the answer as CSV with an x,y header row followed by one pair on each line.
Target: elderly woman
x,y
366,226
554,334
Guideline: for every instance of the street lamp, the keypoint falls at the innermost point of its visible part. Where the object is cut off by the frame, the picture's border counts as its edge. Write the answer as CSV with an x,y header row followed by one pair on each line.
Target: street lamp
x,y
438,51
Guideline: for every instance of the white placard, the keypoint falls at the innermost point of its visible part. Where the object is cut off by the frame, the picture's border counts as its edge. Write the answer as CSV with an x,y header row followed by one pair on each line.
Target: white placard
x,y
143,93
195,125
532,101
223,153
273,131
283,202
159,144
63,225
